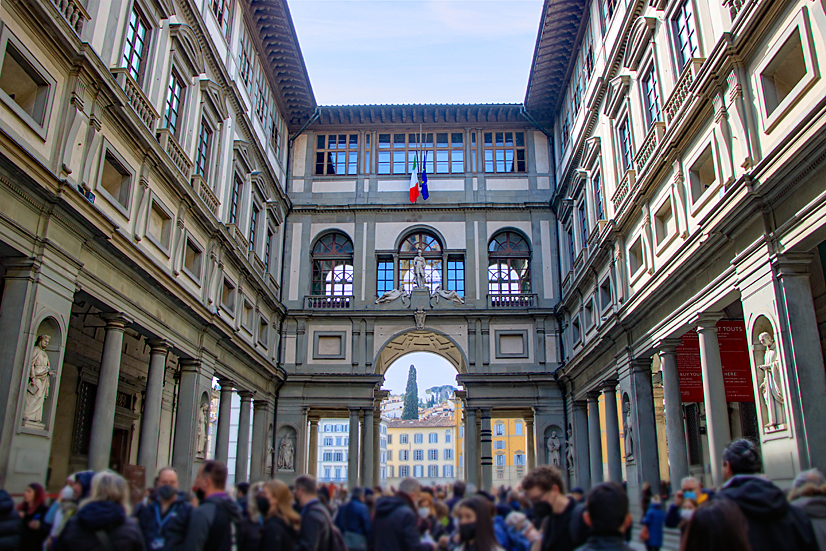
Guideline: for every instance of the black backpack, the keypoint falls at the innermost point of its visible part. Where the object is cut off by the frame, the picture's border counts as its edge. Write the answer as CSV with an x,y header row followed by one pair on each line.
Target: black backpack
x,y
336,542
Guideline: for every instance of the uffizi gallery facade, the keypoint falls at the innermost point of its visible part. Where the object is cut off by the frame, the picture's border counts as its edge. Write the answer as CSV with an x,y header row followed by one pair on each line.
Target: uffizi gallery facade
x,y
631,261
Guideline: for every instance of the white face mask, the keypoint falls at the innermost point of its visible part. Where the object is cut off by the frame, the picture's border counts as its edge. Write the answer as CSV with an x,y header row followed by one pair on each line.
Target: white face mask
x,y
686,514
68,492
424,512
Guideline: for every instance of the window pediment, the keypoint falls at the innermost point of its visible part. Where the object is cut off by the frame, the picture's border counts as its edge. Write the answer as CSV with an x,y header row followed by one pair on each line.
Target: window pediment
x,y
638,40
617,91
186,43
216,97
590,153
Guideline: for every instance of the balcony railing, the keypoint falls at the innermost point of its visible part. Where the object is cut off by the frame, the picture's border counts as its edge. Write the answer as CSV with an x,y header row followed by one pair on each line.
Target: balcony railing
x,y
238,236
137,99
73,12
682,90
206,194
170,144
650,144
323,302
521,300
734,7
625,189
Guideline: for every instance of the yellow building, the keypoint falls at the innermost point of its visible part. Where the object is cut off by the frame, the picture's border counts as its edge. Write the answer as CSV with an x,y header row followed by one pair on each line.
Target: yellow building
x,y
422,448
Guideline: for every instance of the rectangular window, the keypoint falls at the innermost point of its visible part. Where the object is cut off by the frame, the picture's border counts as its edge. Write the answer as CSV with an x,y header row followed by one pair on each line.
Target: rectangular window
x,y
499,445
174,97
327,473
447,437
328,428
193,256
518,429
253,225
390,455
433,471
685,34
384,277
473,149
397,153
608,9
245,56
159,227
418,471
202,154
336,154
390,439
432,455
504,152
651,97
404,471
456,275
600,210
268,247
116,180
499,429
433,438
338,456
328,456
234,200
519,460
418,438
134,51
447,471
228,296
418,455
338,473
624,145
404,455
367,152
500,461
403,438
262,95
583,224
222,10
328,441
571,250
448,454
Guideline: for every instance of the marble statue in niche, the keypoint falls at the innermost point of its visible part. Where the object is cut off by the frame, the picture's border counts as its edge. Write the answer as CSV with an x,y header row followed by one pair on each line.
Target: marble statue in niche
x,y
627,429
553,450
419,264
286,455
37,390
203,427
270,450
770,388
569,449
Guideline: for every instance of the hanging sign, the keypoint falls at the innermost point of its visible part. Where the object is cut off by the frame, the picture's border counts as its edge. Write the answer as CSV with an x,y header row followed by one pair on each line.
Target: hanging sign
x,y
734,355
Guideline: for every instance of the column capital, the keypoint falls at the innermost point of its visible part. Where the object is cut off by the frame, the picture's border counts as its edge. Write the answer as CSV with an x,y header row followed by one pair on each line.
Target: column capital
x,y
581,404
706,321
610,385
668,346
189,364
116,320
261,403
641,364
593,395
158,346
314,421
245,395
226,384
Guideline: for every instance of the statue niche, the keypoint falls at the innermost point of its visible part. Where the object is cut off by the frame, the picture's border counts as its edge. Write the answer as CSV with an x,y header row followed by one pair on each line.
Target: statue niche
x,y
285,462
37,389
770,374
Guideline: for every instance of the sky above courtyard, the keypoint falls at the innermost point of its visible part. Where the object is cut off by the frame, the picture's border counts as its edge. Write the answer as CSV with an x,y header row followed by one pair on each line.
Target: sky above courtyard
x,y
431,370
417,51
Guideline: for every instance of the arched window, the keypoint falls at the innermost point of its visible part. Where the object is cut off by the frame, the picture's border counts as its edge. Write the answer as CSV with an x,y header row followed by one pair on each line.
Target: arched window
x,y
509,264
432,253
333,266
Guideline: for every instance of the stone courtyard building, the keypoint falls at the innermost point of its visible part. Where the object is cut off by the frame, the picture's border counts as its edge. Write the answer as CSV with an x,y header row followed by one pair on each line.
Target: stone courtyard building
x,y
177,209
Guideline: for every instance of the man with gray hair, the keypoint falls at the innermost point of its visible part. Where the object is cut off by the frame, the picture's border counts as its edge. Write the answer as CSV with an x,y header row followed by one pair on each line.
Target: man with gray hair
x,y
395,525
809,494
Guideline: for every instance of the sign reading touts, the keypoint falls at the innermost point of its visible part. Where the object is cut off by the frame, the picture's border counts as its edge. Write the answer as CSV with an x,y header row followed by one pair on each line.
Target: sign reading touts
x,y
734,355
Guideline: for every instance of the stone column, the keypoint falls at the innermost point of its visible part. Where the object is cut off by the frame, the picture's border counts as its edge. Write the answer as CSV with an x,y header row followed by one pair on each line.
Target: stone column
x,y
186,420
224,414
674,424
487,452
644,427
367,450
802,358
529,430
312,461
103,420
471,451
595,438
714,393
151,418
612,432
376,448
259,440
582,471
353,450
242,455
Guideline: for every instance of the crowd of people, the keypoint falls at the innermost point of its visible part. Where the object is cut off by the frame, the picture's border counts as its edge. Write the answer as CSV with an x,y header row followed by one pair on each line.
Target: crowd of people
x,y
93,512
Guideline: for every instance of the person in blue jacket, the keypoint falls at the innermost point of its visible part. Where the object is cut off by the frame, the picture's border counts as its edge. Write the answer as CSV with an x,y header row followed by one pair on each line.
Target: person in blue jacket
x,y
654,519
354,517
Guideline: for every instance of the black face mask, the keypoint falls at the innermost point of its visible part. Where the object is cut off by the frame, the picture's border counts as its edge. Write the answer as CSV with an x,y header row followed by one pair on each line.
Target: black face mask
x,y
542,509
166,492
467,531
263,505
200,494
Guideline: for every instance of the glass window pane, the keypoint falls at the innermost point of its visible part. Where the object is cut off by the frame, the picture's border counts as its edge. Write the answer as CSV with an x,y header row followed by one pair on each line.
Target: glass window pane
x,y
398,140
320,142
354,141
384,140
384,162
456,139
488,138
457,161
520,139
398,163
352,162
441,139
442,164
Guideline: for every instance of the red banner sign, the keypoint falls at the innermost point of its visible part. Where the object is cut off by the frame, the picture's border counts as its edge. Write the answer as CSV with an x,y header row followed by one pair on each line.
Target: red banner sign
x,y
734,355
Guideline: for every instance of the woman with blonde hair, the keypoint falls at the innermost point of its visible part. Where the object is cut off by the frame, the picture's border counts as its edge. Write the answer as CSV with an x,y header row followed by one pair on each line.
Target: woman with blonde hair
x,y
249,531
281,522
102,523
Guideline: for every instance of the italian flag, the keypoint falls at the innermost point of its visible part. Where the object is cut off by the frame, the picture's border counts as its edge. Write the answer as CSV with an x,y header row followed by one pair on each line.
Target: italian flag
x,y
414,181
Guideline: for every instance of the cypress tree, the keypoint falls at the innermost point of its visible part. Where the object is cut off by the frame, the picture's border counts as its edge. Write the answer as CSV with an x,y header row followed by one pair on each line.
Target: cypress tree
x,y
411,397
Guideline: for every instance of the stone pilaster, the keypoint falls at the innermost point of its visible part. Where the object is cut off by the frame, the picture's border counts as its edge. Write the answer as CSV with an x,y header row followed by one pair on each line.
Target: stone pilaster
x,y
595,438
472,452
582,471
242,453
312,461
224,414
612,432
353,450
487,451
367,451
151,418
674,423
714,393
186,421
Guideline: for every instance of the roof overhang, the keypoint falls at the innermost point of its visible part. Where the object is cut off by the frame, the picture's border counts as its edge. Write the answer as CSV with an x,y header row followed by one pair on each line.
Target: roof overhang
x,y
353,116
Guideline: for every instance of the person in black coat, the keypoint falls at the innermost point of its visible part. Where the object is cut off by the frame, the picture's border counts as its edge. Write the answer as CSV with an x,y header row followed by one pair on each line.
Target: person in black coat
x,y
280,529
165,518
103,517
10,524
33,509
772,522
395,526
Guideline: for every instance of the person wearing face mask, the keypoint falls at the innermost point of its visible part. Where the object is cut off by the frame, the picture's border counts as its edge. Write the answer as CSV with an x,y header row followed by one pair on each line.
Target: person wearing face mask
x,y
686,512
395,526
690,488
281,524
353,520
428,523
215,521
476,525
555,512
164,518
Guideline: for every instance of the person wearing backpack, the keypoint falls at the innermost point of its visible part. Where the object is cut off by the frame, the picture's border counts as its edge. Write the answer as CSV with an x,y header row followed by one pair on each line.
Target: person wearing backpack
x,y
353,520
214,525
102,522
317,532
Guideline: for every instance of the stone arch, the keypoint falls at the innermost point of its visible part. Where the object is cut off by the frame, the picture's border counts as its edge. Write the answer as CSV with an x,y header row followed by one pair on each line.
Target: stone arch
x,y
406,232
426,340
327,231
511,229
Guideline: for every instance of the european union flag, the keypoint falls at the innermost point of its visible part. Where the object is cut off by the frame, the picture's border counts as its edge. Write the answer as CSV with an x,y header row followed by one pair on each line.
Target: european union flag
x,y
424,178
